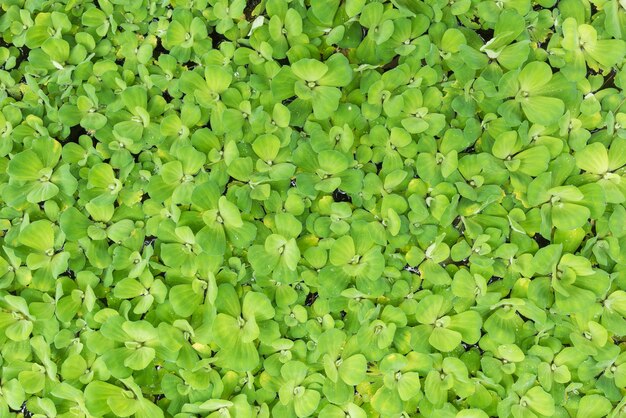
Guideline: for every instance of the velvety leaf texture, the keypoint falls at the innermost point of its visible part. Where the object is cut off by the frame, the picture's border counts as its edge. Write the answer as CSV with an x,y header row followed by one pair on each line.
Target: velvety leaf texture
x,y
313,208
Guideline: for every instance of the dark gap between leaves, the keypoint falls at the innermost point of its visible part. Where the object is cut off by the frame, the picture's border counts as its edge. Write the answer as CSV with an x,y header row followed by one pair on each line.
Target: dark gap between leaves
x,y
412,270
392,64
23,410
468,347
284,62
609,80
310,298
493,279
159,49
24,51
250,6
216,38
231,180
75,133
486,34
149,240
539,7
461,263
341,196
540,240
344,51
458,224
593,229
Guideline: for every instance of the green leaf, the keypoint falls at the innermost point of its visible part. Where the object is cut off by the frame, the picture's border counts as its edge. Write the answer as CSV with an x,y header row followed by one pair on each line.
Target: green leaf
x,y
444,340
25,166
93,17
140,358
547,258
409,386
533,161
57,49
230,213
241,357
342,251
19,330
325,101
354,7
540,401
371,14
332,162
98,395
67,308
452,40
434,273
258,306
429,309
32,381
190,82
387,401
38,235
309,69
543,110
534,76
266,147
135,98
593,159
223,327
593,406
306,403
353,369
607,52
568,216
128,288
212,239
101,176
468,324
74,224
40,192
184,299
339,72
73,367
217,78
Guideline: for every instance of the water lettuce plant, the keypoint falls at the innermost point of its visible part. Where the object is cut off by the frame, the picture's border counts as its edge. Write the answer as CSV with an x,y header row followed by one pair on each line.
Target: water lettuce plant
x,y
313,208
